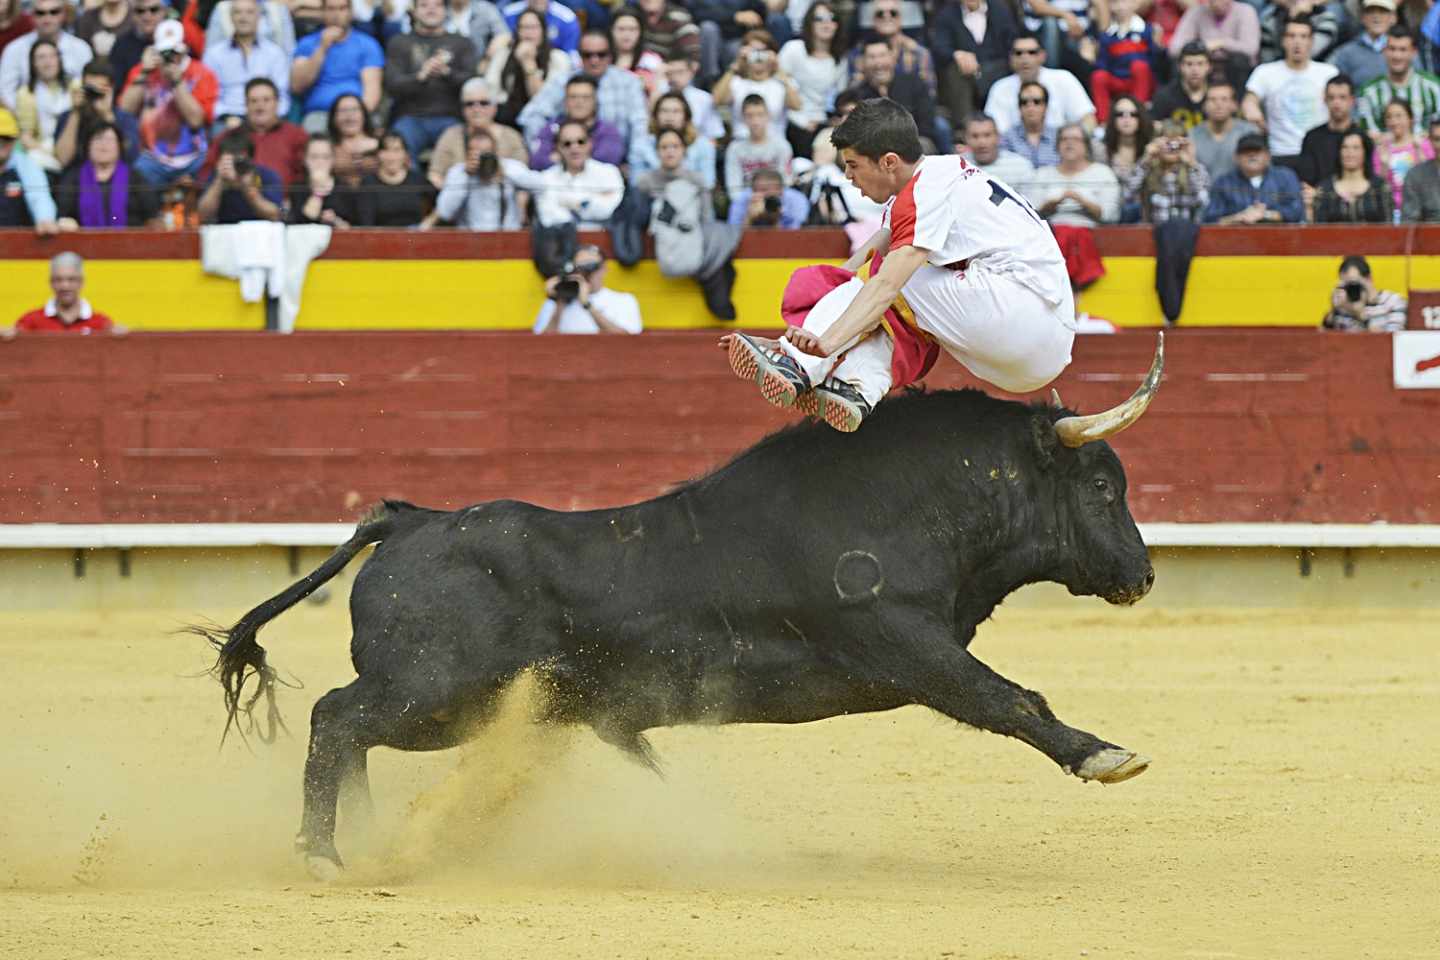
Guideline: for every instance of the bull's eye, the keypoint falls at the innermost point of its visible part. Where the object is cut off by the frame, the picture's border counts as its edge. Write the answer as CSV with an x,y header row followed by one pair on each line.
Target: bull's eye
x,y
1101,483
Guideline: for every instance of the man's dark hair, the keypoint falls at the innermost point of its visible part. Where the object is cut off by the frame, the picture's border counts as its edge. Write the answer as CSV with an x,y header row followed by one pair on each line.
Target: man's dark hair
x,y
1224,83
598,34
846,98
1302,20
580,80
1358,262
1026,35
239,142
261,82
1401,32
766,173
871,39
981,117
97,67
1195,48
1045,94
754,100
877,127
1341,80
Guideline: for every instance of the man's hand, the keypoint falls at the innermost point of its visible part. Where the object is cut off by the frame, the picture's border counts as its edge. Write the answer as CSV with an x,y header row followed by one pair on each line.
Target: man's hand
x,y
967,62
1073,25
225,168
804,341
149,61
749,19
174,73
331,36
47,228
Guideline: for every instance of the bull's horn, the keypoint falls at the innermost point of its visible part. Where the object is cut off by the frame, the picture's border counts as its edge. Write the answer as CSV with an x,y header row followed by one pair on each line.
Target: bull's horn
x,y
1055,399
1075,431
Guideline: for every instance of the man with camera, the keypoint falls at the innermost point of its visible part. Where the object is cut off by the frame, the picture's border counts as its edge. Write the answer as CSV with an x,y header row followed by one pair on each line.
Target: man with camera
x,y
473,195
578,302
1356,306
240,189
92,104
769,203
174,95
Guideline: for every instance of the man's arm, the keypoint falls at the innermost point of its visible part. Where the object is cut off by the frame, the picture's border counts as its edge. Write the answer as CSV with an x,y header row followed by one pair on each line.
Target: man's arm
x,y
208,206
875,297
306,69
370,87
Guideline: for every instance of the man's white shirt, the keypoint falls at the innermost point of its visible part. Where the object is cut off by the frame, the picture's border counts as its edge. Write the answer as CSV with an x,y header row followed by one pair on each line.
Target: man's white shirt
x,y
621,309
1069,103
1294,101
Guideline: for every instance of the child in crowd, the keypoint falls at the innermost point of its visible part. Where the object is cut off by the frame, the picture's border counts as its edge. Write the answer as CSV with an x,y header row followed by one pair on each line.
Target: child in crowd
x,y
764,150
1125,51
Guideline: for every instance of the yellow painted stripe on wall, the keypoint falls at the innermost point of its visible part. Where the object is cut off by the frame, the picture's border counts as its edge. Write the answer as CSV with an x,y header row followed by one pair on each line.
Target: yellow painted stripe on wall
x,y
507,294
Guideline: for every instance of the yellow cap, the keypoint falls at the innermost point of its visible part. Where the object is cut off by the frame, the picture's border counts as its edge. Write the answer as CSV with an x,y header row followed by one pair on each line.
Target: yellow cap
x,y
8,126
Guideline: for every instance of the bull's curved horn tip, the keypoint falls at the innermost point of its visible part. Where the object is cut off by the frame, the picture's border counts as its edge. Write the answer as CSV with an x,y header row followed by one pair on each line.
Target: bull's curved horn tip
x,y
1055,399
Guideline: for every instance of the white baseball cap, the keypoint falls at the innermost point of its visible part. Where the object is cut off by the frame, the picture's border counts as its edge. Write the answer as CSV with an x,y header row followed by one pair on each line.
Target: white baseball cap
x,y
1382,4
169,35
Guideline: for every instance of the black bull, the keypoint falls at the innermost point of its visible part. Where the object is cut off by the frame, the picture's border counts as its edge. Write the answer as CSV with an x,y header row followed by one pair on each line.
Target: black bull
x,y
815,575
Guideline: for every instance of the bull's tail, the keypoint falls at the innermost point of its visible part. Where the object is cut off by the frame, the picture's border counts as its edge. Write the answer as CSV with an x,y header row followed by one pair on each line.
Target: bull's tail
x,y
240,657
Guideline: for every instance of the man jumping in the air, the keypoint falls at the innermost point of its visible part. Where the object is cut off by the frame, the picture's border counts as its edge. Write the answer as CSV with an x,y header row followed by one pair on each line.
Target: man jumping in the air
x,y
971,262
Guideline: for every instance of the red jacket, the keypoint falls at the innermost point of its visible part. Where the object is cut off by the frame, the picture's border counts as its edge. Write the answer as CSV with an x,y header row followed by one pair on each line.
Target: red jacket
x,y
38,321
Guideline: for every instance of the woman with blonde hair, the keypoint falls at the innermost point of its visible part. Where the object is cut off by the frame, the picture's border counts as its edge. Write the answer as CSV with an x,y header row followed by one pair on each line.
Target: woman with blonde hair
x,y
1168,183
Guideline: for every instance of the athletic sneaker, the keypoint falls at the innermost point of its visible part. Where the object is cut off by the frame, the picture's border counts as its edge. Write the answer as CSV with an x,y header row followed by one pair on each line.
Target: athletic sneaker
x,y
779,378
835,402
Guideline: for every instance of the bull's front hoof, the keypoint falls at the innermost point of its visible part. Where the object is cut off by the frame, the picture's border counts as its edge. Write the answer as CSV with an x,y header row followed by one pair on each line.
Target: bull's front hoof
x,y
323,869
1113,765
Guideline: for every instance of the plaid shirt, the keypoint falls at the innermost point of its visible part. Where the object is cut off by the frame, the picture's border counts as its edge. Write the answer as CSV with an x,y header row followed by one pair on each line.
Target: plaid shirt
x,y
1421,92
912,59
1169,202
619,101
1042,154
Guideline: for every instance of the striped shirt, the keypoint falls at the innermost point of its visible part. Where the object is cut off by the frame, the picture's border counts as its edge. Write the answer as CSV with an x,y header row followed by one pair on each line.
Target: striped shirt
x,y
1385,315
1421,92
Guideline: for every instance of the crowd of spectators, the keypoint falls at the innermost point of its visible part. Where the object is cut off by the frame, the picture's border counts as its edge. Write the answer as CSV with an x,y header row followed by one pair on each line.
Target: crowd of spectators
x,y
484,116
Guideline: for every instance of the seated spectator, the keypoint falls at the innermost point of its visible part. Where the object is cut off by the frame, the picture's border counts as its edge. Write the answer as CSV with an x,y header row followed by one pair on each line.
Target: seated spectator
x,y
814,61
24,191
627,40
1398,150
724,24
40,102
1069,103
1167,184
1422,186
481,22
670,32
579,302
395,195
1124,51
1363,58
759,150
66,311
1229,30
680,76
1215,139
103,192
1352,194
1278,14
756,71
308,15
606,143
424,70
352,131
982,148
273,23
877,68
1357,306
1286,97
971,42
474,194
174,96
130,44
1076,192
1032,139
578,189
1256,191
101,25
1063,26
241,189
1318,149
479,108
335,62
769,203
49,18
672,111
911,59
670,164
1401,81
562,26
619,94
1183,99
279,144
243,57
14,22
92,104
1127,133
520,64
320,197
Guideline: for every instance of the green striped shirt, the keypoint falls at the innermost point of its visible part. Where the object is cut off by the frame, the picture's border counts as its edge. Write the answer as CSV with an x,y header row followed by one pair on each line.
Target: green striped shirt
x,y
1422,92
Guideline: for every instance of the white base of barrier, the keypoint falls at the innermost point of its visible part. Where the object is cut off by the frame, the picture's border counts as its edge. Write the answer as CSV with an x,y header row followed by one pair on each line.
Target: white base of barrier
x,y
125,536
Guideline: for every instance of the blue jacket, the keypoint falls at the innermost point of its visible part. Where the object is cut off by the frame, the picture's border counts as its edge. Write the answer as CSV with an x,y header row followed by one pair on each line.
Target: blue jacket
x,y
1279,190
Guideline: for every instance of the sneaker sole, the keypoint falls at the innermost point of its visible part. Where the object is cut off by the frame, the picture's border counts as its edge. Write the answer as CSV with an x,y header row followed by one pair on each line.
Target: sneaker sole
x,y
749,363
835,412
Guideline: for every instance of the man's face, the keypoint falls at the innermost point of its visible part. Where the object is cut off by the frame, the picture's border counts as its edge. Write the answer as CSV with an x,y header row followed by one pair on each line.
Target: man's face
x,y
479,107
1253,163
1399,55
1377,20
878,64
1194,69
1339,103
591,266
767,186
478,145
756,118
1026,58
1219,104
984,142
1296,42
679,74
574,143
1032,107
868,176
1121,10
148,14
66,282
1353,275
337,14
594,56
49,16
430,13
671,151
262,107
1070,144
580,102
245,15
887,17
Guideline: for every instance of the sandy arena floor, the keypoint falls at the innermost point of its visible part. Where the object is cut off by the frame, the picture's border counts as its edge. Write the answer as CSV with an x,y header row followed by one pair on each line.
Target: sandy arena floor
x,y
1293,811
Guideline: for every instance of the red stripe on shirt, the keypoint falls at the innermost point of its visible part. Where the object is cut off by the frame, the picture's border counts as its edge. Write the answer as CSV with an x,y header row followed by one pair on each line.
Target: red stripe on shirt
x,y
902,215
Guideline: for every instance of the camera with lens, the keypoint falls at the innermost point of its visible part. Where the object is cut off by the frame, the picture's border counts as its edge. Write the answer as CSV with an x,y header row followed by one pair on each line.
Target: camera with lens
x,y
487,165
757,57
91,93
567,288
1355,292
772,205
171,56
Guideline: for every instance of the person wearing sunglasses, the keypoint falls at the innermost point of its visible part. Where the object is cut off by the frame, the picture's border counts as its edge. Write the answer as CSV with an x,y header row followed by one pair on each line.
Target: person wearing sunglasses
x,y
879,79
1068,101
619,97
606,144
101,25
577,300
130,44
49,18
1032,138
579,189
478,107
911,59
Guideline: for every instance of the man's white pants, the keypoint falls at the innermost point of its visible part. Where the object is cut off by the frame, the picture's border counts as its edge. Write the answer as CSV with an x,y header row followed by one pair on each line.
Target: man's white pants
x,y
1002,332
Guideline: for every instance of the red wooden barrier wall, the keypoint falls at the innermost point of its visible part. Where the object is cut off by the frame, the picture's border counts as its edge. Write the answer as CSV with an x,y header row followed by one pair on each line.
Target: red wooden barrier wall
x,y
1248,426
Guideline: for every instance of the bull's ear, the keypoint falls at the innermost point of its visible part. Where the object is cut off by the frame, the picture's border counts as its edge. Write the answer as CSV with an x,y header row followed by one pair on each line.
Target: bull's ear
x,y
1042,433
